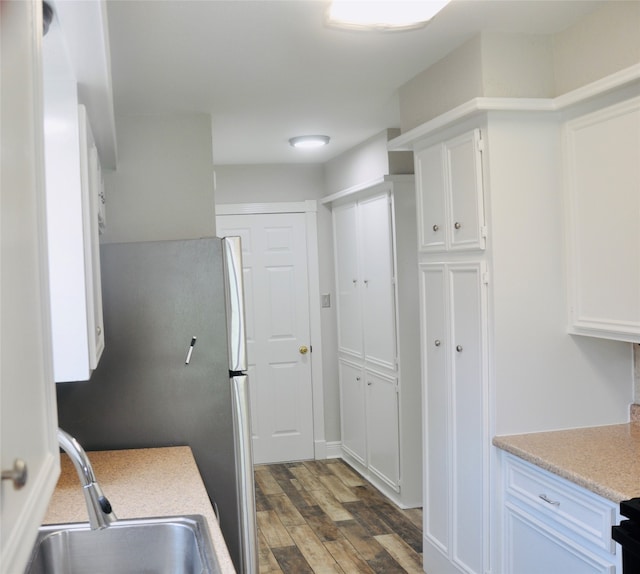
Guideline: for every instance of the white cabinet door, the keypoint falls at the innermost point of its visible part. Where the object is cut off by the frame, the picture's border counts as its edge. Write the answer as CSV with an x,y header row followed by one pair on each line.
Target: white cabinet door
x,y
437,436
464,185
378,295
345,233
450,195
468,396
353,411
429,167
455,424
602,160
383,439
28,409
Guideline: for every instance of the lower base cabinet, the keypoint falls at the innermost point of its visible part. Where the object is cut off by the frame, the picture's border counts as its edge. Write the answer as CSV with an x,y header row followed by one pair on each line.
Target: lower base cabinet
x,y
370,432
552,526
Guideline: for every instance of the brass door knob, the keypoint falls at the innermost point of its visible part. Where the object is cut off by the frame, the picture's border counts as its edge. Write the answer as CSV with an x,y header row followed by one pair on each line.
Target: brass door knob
x,y
303,350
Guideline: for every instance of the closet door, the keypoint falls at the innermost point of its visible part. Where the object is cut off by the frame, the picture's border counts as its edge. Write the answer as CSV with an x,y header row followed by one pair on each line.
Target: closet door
x,y
345,230
378,294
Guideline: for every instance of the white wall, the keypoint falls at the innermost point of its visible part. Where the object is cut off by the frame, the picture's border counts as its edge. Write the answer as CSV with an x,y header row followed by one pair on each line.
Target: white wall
x,y
365,163
494,64
603,42
517,65
281,183
268,183
452,81
545,379
163,187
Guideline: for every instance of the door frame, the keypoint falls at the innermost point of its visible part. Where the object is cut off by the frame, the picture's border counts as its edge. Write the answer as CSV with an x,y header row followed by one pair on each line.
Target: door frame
x,y
310,209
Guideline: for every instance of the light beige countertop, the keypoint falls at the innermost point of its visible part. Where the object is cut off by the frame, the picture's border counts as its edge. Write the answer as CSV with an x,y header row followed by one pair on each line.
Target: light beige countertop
x,y
140,483
604,460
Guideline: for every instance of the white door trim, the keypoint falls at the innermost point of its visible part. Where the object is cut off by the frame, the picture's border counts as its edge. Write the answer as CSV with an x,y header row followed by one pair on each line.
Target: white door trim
x,y
310,208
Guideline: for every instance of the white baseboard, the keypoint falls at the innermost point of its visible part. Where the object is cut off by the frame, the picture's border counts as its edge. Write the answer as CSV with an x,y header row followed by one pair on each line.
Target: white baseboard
x,y
333,449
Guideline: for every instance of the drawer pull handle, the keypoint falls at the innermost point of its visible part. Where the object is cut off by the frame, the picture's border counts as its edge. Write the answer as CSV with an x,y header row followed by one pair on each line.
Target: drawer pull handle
x,y
548,500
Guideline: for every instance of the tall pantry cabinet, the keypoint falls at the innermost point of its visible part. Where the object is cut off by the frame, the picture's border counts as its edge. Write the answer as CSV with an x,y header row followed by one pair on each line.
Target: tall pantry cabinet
x,y
376,289
452,232
497,356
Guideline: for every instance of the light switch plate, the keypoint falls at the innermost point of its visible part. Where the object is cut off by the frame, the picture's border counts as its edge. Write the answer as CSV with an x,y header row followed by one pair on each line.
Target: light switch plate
x,y
326,300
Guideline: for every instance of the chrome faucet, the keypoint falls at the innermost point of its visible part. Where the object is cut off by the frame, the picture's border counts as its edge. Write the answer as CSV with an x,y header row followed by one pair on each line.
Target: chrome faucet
x,y
98,507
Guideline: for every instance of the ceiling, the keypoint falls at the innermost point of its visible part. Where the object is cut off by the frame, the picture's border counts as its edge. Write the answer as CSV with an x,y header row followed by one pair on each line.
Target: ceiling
x,y
268,70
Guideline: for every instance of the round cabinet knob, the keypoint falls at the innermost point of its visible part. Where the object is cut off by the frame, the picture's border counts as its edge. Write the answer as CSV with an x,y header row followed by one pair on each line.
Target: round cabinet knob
x,y
436,227
457,225
99,330
369,383
303,350
357,378
437,342
18,474
459,348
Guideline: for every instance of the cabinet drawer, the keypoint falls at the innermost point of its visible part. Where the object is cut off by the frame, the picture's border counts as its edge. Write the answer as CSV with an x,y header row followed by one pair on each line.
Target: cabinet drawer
x,y
561,502
532,548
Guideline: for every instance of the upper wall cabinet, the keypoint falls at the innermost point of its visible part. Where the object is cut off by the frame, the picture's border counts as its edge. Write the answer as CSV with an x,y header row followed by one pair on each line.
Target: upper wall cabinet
x,y
450,195
74,185
602,170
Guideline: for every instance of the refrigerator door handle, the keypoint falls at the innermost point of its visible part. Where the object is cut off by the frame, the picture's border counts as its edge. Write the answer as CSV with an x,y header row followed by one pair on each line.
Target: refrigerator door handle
x,y
232,252
244,470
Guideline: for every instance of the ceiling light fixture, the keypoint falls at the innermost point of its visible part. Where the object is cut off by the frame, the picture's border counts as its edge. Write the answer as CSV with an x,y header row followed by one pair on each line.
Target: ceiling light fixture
x,y
383,14
309,141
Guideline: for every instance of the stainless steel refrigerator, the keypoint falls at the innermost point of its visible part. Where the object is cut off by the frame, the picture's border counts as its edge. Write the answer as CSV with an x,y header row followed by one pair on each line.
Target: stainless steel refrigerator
x,y
174,371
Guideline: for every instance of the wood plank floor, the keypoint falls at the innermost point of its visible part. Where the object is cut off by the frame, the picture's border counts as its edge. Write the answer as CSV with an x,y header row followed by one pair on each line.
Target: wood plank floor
x,y
321,516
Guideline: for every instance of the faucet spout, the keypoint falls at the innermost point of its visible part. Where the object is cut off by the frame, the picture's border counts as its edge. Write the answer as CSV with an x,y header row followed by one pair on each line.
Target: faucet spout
x,y
99,508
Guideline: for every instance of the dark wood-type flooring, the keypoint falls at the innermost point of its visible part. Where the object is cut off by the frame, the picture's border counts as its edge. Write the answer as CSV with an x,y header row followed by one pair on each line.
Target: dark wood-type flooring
x,y
321,516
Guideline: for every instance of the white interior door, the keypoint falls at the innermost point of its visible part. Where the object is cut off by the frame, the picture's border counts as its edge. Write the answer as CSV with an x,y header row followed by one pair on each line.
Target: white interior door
x,y
274,253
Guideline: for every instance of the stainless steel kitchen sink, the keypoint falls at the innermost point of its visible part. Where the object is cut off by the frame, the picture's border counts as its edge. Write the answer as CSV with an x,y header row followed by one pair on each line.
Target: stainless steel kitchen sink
x,y
179,545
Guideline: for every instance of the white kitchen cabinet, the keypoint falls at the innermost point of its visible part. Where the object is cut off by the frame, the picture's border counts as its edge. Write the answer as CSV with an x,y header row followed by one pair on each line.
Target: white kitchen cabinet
x,y
378,335
28,406
369,421
365,270
554,526
532,368
74,185
453,302
602,170
450,195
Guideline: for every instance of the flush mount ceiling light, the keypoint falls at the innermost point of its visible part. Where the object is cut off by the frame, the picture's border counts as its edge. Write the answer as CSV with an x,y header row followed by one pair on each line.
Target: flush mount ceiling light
x,y
309,141
383,14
